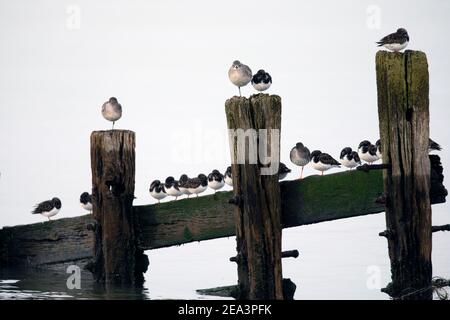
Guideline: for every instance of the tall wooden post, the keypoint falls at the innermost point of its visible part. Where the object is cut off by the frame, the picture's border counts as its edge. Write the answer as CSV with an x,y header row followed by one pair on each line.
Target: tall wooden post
x,y
113,169
402,81
257,199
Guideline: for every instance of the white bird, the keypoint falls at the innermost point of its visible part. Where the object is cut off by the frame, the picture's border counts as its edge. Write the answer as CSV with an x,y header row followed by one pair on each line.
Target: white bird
x,y
240,74
323,161
157,190
215,180
85,201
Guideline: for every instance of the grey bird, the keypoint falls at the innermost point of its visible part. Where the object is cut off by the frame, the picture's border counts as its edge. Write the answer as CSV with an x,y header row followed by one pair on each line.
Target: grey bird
x,y
300,156
112,110
240,74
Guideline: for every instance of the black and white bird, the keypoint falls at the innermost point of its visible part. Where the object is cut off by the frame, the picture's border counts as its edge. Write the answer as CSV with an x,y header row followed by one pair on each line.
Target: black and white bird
x,y
182,185
86,202
433,146
239,74
197,185
157,190
171,187
323,161
261,81
378,146
112,110
396,41
300,156
48,208
228,177
216,180
283,171
368,152
349,158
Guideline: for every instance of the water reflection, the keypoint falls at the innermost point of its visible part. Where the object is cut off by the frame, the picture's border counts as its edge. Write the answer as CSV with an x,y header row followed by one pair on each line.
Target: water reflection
x,y
38,284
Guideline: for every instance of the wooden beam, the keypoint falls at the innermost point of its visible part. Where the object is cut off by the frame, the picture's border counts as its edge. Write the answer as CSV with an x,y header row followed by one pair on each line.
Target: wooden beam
x,y
257,215
113,167
402,82
311,200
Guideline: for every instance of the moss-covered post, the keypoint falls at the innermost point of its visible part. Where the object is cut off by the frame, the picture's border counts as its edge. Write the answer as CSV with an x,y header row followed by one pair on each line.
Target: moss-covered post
x,y
113,169
402,82
256,194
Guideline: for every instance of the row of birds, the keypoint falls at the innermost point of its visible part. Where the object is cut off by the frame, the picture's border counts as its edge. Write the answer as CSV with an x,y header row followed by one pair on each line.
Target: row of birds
x,y
299,155
241,75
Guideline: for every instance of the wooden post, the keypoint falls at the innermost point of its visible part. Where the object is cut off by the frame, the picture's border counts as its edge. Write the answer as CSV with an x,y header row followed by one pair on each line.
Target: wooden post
x,y
257,199
113,168
402,81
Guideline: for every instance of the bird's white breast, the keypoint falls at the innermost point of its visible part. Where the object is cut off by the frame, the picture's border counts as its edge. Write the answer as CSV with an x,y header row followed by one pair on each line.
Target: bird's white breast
x,y
228,181
87,206
238,77
50,213
158,195
261,86
111,114
320,166
173,192
216,185
348,163
396,46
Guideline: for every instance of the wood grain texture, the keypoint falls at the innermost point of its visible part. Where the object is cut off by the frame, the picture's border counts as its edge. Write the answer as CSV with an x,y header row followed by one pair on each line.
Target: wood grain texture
x,y
403,106
258,215
113,170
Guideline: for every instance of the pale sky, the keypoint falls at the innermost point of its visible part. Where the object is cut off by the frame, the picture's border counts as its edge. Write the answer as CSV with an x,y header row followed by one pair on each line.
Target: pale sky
x,y
167,63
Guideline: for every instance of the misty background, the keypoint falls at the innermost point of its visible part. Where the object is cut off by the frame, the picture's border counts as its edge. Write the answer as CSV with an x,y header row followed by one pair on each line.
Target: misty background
x,y
167,62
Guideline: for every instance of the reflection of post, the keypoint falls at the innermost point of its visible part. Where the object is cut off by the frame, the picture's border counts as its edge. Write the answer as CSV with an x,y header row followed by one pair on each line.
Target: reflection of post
x,y
113,167
257,199
402,81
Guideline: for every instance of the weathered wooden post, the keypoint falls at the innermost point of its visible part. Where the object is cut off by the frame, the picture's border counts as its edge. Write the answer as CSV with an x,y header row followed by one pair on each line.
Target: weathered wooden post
x,y
113,169
256,195
402,81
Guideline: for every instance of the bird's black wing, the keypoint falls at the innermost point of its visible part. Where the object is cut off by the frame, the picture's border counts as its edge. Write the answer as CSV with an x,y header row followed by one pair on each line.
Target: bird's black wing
x,y
433,145
43,207
327,159
390,38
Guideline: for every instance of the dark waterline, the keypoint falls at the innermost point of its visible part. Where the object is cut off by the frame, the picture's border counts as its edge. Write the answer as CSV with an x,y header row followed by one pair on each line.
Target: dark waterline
x,y
18,284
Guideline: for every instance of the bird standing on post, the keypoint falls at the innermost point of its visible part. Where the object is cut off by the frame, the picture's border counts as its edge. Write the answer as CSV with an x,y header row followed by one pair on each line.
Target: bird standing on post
x,y
48,208
85,201
368,152
396,41
300,156
228,177
261,81
112,110
240,74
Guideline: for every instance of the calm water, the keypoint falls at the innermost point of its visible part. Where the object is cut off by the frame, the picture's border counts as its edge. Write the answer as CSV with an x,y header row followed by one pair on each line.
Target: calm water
x,y
343,259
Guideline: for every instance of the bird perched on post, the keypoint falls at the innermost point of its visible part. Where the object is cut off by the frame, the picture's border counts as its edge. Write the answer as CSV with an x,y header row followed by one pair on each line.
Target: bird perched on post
x,y
300,156
261,81
215,180
182,184
240,74
323,161
349,158
396,41
48,208
283,171
228,177
368,152
112,110
157,190
85,201
197,185
172,187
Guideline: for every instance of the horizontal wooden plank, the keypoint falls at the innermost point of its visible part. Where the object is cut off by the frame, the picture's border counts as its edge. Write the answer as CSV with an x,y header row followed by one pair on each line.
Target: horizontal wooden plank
x,y
311,200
